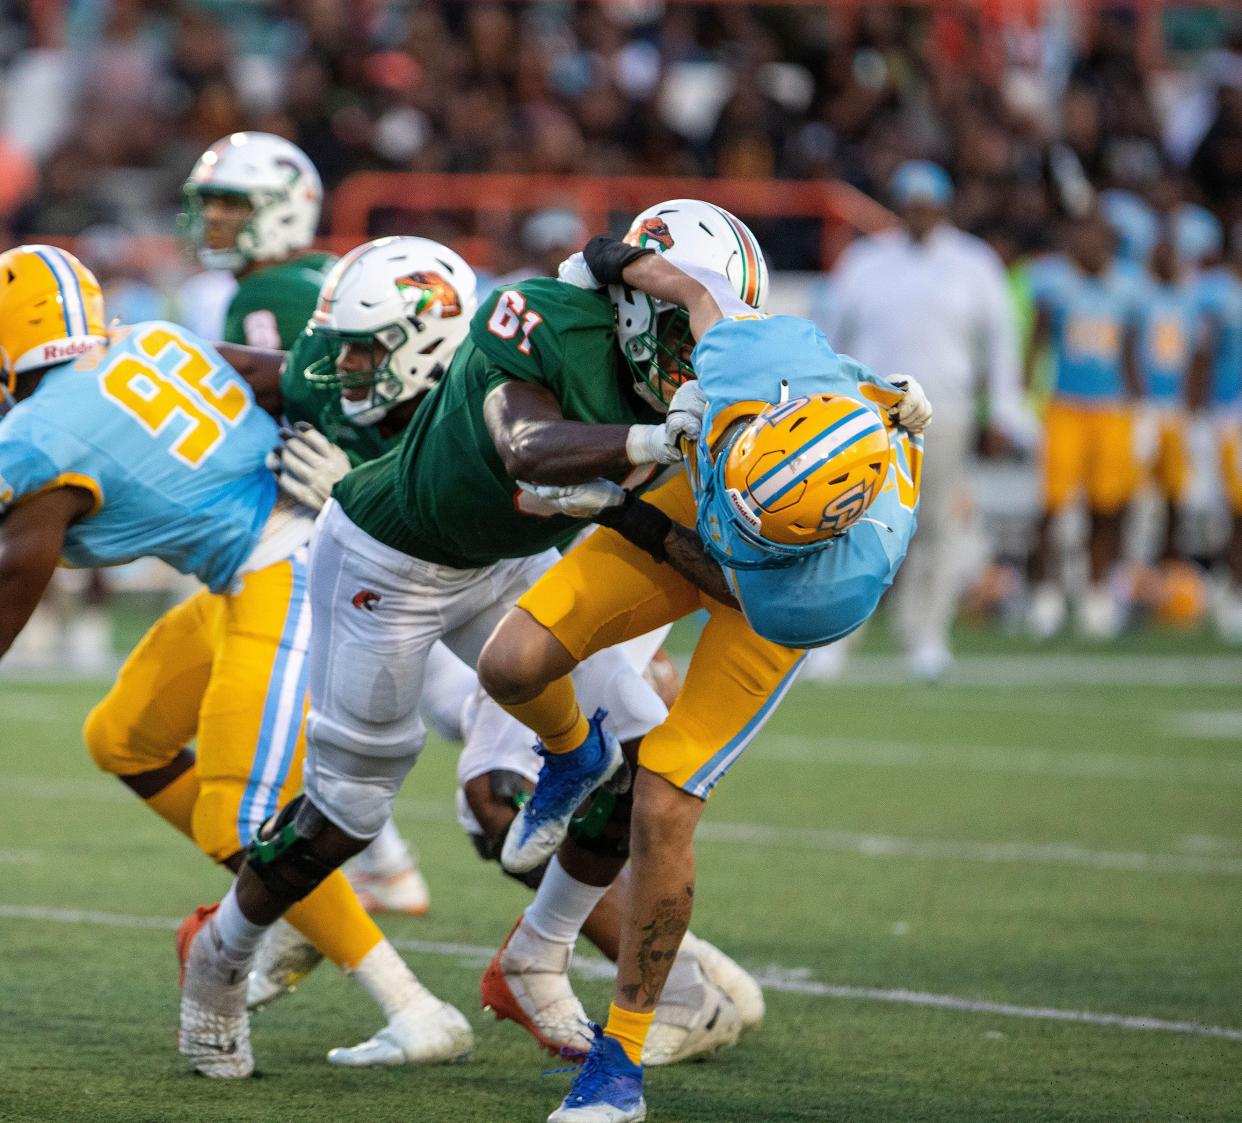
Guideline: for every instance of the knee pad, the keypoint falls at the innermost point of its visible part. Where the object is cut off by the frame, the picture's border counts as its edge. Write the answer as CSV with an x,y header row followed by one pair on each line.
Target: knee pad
x,y
604,828
103,738
359,807
281,855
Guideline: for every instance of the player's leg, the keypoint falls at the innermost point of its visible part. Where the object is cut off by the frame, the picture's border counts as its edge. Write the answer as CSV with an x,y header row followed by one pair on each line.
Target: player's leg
x,y
1111,477
1064,460
734,683
141,730
926,593
363,737
709,999
603,592
1228,606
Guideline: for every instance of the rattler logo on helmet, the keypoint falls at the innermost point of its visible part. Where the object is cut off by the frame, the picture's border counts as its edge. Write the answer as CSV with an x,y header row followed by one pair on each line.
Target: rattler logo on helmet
x,y
650,230
435,290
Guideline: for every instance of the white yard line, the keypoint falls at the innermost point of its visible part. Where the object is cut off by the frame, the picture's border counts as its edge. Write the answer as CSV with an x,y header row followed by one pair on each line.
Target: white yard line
x,y
13,857
1045,669
963,850
787,980
1203,725
723,832
1015,759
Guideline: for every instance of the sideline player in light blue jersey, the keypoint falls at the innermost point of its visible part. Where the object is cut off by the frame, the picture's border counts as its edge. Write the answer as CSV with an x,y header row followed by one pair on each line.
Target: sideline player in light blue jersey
x,y
804,497
1220,295
1166,347
144,442
1087,306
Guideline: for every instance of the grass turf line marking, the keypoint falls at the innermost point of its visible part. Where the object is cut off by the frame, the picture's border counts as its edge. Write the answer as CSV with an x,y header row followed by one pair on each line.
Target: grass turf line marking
x,y
789,838
1203,725
964,850
799,748
789,981
1047,669
14,857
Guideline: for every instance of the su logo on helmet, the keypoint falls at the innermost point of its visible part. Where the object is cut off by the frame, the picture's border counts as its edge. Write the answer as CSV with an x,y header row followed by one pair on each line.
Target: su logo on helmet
x,y
435,290
650,230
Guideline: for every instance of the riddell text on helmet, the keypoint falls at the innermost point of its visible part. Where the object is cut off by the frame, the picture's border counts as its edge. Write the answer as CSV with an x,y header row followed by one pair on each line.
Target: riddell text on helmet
x,y
54,351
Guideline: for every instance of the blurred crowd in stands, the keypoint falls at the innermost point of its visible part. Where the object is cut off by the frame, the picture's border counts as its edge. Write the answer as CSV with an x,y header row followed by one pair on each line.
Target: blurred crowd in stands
x,y
108,102
1060,114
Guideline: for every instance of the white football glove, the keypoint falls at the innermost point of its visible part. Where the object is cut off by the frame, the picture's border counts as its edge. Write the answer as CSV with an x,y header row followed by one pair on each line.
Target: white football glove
x,y
579,501
575,271
308,465
914,411
662,444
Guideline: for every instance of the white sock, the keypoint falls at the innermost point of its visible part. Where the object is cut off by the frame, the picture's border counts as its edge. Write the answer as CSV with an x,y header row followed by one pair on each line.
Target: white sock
x,y
386,978
238,936
561,905
386,855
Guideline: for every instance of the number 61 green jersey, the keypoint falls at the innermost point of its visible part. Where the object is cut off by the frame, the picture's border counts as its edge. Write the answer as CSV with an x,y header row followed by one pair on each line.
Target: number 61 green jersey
x,y
443,494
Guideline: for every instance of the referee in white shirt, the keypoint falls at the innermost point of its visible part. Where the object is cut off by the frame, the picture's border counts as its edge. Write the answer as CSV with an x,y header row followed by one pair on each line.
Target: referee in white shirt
x,y
931,301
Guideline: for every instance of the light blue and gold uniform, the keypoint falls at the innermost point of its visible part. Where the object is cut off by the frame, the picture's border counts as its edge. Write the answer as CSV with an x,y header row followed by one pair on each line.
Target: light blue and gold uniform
x,y
822,596
142,426
171,444
1168,334
606,590
1220,303
1089,426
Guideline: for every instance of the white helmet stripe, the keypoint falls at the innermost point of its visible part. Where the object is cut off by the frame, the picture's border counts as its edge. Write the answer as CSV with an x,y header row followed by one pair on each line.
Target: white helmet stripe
x,y
805,460
70,290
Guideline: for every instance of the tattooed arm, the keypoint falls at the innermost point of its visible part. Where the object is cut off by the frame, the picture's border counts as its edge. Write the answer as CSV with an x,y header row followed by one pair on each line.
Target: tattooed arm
x,y
684,551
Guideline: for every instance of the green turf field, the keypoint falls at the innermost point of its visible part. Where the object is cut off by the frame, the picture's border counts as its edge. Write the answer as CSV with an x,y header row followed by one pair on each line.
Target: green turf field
x,y
917,872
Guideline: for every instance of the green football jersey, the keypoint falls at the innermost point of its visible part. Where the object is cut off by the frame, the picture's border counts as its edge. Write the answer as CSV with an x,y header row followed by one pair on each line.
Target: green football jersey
x,y
272,304
443,495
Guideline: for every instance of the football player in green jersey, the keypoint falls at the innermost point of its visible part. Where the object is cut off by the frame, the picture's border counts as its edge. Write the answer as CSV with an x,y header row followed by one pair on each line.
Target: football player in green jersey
x,y
251,206
436,540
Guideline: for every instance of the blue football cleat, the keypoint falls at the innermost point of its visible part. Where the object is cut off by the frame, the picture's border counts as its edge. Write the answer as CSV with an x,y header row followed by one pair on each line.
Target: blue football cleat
x,y
565,781
607,1089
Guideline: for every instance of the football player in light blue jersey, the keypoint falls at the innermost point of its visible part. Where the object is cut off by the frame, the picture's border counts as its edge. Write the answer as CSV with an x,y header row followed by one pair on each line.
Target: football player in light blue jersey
x,y
142,442
1086,311
803,501
1166,348
1220,295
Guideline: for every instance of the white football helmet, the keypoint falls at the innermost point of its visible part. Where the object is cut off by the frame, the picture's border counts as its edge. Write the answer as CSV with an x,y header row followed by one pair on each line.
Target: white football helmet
x,y
655,336
411,296
281,185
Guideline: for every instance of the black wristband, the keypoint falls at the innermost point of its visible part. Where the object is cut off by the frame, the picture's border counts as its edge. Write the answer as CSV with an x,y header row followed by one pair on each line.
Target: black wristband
x,y
638,522
607,256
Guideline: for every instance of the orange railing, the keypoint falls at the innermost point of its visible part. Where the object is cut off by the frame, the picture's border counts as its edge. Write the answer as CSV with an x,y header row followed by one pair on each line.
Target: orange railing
x,y
488,200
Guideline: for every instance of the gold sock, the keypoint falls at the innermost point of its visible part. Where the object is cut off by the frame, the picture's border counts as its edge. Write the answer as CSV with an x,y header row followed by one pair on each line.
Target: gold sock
x,y
174,803
555,716
630,1029
333,919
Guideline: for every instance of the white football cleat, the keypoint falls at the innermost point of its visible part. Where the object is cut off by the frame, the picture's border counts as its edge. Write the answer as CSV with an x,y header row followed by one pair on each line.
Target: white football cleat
x,y
215,1028
1227,611
528,983
404,892
1045,616
691,1021
1099,614
731,977
285,957
429,1033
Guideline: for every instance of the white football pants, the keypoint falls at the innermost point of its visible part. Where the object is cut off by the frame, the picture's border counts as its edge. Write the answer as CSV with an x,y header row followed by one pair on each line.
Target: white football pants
x,y
375,615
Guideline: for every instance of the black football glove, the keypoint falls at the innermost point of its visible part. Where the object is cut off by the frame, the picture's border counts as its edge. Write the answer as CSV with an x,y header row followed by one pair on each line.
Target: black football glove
x,y
607,256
